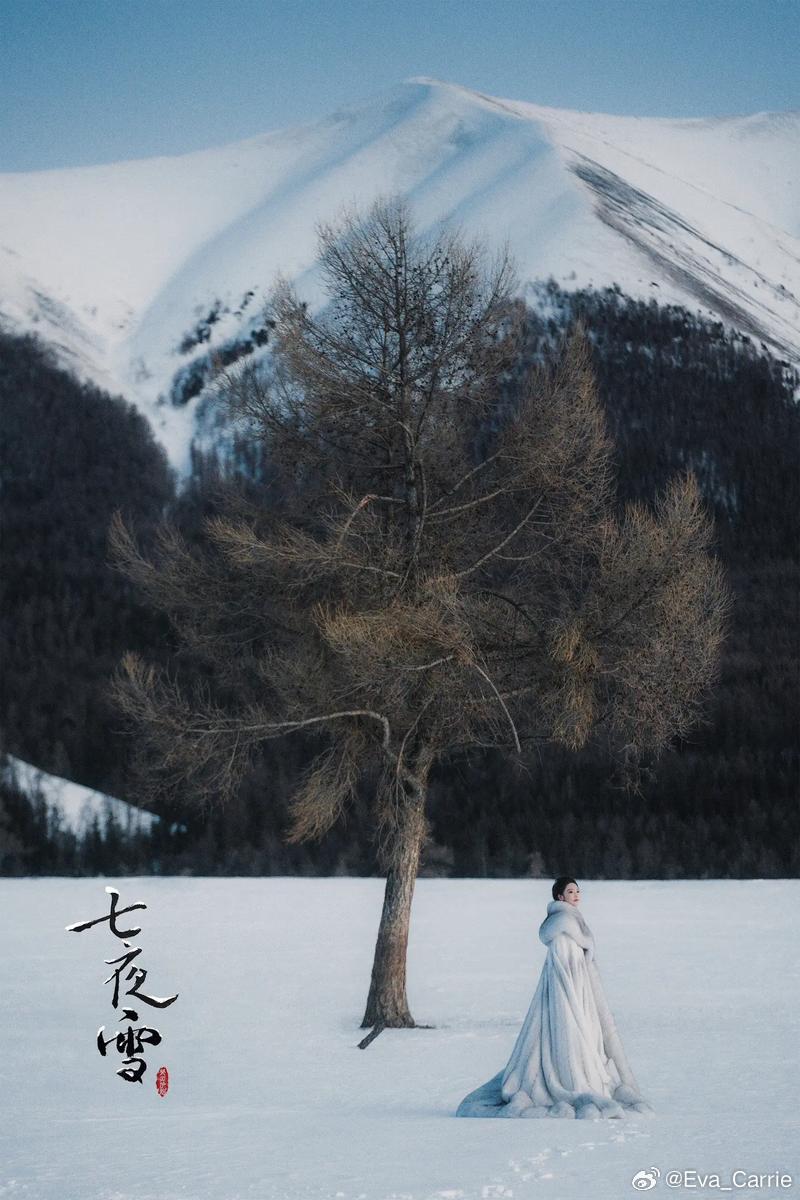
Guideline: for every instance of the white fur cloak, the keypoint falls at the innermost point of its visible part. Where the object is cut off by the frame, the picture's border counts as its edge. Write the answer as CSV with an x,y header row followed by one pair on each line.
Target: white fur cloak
x,y
568,1059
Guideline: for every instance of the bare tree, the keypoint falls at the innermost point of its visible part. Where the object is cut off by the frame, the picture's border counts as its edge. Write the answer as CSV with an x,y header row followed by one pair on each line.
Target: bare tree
x,y
432,577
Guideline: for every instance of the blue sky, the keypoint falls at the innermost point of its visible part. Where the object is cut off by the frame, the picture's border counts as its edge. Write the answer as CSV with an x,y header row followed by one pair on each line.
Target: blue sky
x,y
86,81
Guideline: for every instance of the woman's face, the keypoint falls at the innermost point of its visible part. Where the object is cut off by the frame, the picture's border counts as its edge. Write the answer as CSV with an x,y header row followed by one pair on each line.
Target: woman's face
x,y
571,893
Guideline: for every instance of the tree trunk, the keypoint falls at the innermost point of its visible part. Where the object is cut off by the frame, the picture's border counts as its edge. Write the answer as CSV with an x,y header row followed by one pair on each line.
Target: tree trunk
x,y
387,1001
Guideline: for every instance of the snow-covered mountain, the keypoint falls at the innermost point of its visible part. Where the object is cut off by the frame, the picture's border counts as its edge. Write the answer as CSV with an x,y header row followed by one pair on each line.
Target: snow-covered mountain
x,y
72,805
135,270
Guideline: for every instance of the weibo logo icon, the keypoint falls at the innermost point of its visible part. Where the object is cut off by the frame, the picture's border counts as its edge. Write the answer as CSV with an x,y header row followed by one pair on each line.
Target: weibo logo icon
x,y
644,1180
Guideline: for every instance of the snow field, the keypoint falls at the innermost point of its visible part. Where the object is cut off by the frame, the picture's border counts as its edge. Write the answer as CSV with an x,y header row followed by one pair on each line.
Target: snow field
x,y
270,1099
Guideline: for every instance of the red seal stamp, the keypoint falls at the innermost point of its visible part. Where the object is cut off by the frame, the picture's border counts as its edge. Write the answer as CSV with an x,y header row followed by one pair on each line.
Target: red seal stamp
x,y
162,1081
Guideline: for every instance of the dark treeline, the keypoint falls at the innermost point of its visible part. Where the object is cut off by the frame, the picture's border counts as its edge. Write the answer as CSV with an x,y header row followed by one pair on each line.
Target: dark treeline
x,y
69,455
678,391
35,839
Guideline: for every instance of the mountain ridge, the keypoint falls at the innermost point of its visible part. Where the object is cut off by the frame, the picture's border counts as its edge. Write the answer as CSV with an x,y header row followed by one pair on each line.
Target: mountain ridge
x,y
115,264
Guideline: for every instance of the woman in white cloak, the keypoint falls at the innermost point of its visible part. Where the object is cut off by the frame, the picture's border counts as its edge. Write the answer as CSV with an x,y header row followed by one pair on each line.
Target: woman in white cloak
x,y
568,1059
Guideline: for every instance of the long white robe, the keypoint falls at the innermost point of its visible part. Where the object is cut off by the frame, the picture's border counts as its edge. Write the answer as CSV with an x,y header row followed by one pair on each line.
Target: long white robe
x,y
568,1059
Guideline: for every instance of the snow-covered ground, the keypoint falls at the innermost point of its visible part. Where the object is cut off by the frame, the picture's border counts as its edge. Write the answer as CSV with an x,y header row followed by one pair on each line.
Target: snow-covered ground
x,y
71,805
270,1099
115,264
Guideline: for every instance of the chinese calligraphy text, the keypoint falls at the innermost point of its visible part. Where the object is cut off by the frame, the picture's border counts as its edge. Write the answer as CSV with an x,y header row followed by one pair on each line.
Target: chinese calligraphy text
x,y
129,1042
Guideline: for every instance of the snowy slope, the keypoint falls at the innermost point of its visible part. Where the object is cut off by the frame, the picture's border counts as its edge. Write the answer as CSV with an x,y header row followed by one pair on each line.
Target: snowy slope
x,y
269,1098
73,804
116,264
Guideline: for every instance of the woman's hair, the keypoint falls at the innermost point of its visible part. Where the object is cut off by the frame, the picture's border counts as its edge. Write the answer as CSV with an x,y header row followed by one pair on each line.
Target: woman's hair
x,y
561,883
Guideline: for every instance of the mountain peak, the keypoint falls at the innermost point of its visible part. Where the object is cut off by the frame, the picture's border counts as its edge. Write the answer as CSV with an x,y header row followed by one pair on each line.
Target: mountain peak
x,y
136,270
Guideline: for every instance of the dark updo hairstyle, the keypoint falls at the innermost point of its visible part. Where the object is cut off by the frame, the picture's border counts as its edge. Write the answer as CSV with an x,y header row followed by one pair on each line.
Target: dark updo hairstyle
x,y
561,883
